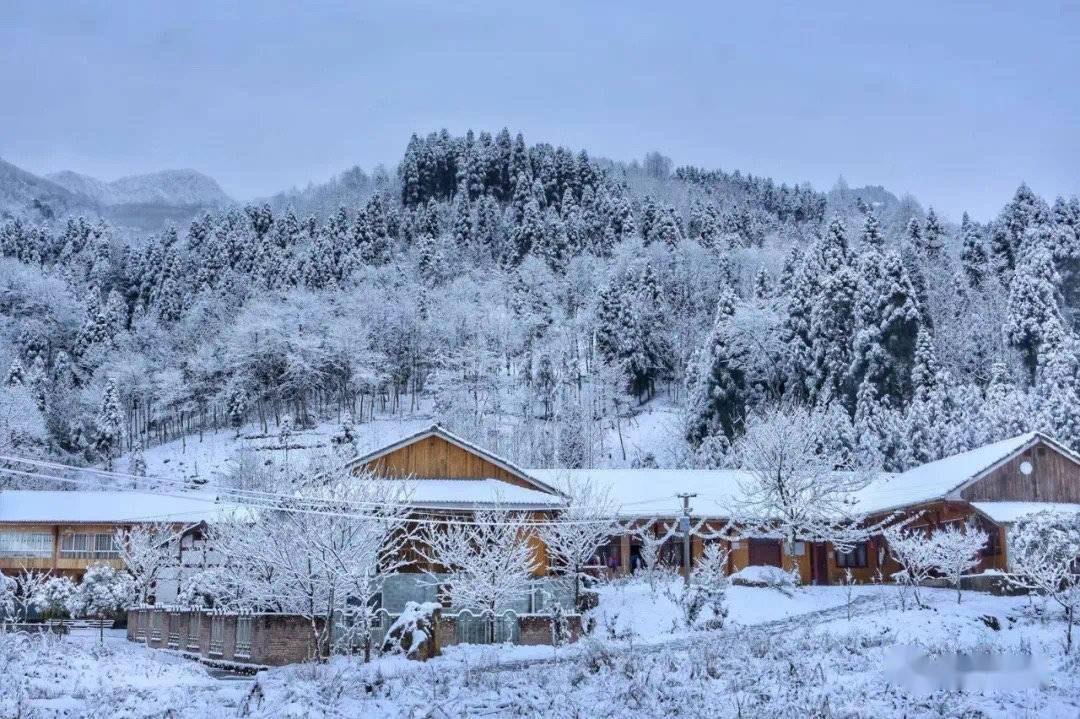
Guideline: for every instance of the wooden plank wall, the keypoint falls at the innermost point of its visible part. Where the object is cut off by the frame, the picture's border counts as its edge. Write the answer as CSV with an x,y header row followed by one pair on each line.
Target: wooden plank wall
x,y
436,458
1054,478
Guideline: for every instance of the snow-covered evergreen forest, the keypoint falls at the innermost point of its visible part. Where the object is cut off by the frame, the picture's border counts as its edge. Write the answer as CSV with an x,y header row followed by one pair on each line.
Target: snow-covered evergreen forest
x,y
532,298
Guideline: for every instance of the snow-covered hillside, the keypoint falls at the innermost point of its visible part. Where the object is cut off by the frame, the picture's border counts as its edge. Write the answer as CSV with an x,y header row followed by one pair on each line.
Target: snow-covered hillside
x,y
654,431
25,195
217,453
168,187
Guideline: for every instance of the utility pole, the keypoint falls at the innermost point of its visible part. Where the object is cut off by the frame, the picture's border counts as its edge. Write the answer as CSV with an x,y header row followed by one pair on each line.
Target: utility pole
x,y
684,526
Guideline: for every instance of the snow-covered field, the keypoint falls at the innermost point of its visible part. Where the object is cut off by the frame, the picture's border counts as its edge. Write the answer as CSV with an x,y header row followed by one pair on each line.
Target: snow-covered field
x,y
777,656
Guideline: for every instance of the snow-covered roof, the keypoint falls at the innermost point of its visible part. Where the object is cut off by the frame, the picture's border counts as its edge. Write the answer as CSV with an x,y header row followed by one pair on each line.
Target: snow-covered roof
x,y
469,493
937,480
652,492
436,430
108,507
1009,512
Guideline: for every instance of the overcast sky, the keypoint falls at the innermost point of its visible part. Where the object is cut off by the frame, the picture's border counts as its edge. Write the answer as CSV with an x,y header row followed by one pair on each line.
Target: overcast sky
x,y
955,104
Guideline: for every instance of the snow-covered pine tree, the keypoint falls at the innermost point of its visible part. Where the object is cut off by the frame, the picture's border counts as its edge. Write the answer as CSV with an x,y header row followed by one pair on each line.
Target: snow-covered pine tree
x,y
1033,306
1058,387
871,237
973,256
932,242
16,375
137,461
109,424
832,319
462,223
529,234
887,322
718,392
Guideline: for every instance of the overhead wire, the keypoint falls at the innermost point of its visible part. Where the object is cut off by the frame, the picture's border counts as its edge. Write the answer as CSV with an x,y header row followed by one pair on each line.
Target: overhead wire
x,y
254,499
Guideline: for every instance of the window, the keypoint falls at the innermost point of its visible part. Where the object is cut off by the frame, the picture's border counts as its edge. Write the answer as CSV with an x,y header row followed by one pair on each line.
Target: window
x,y
26,544
854,559
217,635
194,624
89,546
243,636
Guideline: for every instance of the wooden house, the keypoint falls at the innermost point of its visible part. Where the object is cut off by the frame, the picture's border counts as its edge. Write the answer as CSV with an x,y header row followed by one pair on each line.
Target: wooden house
x,y
66,532
989,487
449,476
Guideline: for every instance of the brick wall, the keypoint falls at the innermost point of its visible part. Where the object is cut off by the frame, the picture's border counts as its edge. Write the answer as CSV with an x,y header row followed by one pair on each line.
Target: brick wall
x,y
535,629
278,639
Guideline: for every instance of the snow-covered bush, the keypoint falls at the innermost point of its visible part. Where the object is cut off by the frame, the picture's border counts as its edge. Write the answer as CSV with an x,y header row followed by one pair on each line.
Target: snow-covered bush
x,y
54,597
710,582
103,592
28,583
8,605
766,576
412,632
1043,555
649,550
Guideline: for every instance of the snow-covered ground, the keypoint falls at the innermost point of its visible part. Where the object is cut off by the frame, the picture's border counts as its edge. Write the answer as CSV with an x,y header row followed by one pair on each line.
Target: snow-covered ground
x,y
218,453
816,653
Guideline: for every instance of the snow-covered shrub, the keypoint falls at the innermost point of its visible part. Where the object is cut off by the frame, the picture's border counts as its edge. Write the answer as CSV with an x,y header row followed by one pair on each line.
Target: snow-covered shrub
x,y
561,632
28,583
8,588
766,576
103,592
649,551
1043,552
412,632
709,579
344,439
53,598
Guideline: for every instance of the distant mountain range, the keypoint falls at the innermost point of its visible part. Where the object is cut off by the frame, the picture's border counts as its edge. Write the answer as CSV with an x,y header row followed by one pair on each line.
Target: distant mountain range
x,y
139,201
146,202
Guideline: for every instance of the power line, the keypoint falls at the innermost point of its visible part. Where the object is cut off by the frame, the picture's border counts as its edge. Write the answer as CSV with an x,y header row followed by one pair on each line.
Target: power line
x,y
315,503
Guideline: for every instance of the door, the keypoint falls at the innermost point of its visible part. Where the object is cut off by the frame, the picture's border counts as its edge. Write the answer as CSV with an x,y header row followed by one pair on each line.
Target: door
x,y
765,552
819,563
